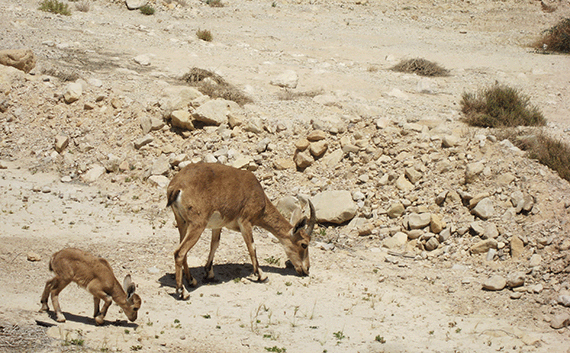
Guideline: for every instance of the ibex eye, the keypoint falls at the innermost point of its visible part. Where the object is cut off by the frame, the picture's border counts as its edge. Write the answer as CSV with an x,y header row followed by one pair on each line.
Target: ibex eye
x,y
304,245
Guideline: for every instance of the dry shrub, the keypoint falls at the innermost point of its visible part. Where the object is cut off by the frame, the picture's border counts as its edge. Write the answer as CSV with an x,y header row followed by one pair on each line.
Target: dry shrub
x,y
420,67
546,150
500,106
204,35
83,6
215,86
556,38
288,95
215,3
147,10
55,6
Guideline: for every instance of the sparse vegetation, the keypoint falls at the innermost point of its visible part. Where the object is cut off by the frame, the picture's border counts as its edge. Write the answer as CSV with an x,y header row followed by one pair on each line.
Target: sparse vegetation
x,y
215,86
380,339
147,10
215,3
83,6
556,38
500,106
204,35
420,67
276,349
547,150
55,6
272,260
339,335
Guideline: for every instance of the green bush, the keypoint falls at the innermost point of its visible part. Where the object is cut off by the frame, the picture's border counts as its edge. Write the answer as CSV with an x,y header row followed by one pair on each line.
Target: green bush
x,y
55,6
500,106
556,38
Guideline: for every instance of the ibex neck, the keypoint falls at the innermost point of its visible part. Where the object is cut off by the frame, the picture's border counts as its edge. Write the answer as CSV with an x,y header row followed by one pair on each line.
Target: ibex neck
x,y
274,222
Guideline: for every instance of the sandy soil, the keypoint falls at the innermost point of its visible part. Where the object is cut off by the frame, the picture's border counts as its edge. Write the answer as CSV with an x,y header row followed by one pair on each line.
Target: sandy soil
x,y
354,300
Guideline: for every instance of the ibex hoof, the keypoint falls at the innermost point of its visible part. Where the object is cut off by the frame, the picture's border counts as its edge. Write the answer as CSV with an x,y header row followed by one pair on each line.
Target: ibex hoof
x,y
44,308
99,320
60,319
182,295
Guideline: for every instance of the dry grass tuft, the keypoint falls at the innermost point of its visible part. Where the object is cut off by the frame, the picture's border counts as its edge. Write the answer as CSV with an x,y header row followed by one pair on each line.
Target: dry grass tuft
x,y
213,85
500,106
556,38
421,67
204,35
215,3
83,6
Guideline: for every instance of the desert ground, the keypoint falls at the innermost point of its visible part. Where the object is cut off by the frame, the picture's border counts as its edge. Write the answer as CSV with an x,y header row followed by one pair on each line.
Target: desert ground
x,y
362,294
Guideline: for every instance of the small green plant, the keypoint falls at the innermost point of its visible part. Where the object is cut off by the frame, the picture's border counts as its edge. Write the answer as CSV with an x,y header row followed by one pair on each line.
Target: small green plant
x,y
272,260
457,330
431,332
339,335
500,106
136,348
207,316
380,339
55,6
147,10
556,38
274,4
204,35
276,349
288,284
127,331
176,321
237,280
420,67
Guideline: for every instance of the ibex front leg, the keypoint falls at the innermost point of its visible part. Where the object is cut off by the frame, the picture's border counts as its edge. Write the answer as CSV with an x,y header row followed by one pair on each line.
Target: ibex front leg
x,y
247,233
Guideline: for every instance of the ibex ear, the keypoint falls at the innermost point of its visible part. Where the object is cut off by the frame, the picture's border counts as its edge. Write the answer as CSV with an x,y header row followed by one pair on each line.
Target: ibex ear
x,y
299,225
129,286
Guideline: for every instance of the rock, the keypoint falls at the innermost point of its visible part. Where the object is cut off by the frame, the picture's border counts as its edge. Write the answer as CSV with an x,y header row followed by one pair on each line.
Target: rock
x,y
535,260
415,234
334,206
112,163
254,125
287,79
403,184
517,247
215,112
331,160
483,246
283,163
495,283
303,159
161,166
395,241
135,4
177,98
316,135
61,143
419,221
396,210
563,300
491,254
287,205
515,279
431,244
484,209
440,198
437,224
21,59
472,171
159,180
318,149
302,144
448,141
559,321
490,231
94,172
73,92
182,119
143,59
413,175
145,140
153,270
33,257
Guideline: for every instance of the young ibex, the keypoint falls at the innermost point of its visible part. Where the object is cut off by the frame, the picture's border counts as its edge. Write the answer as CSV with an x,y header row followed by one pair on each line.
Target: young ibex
x,y
94,274
206,195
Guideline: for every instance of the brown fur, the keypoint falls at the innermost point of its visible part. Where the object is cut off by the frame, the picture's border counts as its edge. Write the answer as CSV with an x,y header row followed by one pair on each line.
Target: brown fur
x,y
94,274
234,198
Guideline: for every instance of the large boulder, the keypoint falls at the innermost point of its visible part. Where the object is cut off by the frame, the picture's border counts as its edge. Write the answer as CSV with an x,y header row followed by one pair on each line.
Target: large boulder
x,y
334,207
21,59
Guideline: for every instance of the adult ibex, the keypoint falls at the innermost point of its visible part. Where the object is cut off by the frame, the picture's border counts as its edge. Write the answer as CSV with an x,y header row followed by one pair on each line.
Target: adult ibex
x,y
94,274
206,195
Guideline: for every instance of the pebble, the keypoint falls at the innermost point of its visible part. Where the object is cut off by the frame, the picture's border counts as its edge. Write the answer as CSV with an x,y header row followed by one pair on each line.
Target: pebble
x,y
495,283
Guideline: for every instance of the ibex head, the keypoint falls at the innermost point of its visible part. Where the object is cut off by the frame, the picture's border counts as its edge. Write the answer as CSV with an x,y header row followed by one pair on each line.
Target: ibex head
x,y
133,299
298,249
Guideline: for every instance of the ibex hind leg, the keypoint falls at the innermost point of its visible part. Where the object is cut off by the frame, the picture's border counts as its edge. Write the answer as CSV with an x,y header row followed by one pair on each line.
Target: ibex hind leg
x,y
213,247
45,294
57,286
182,229
193,233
